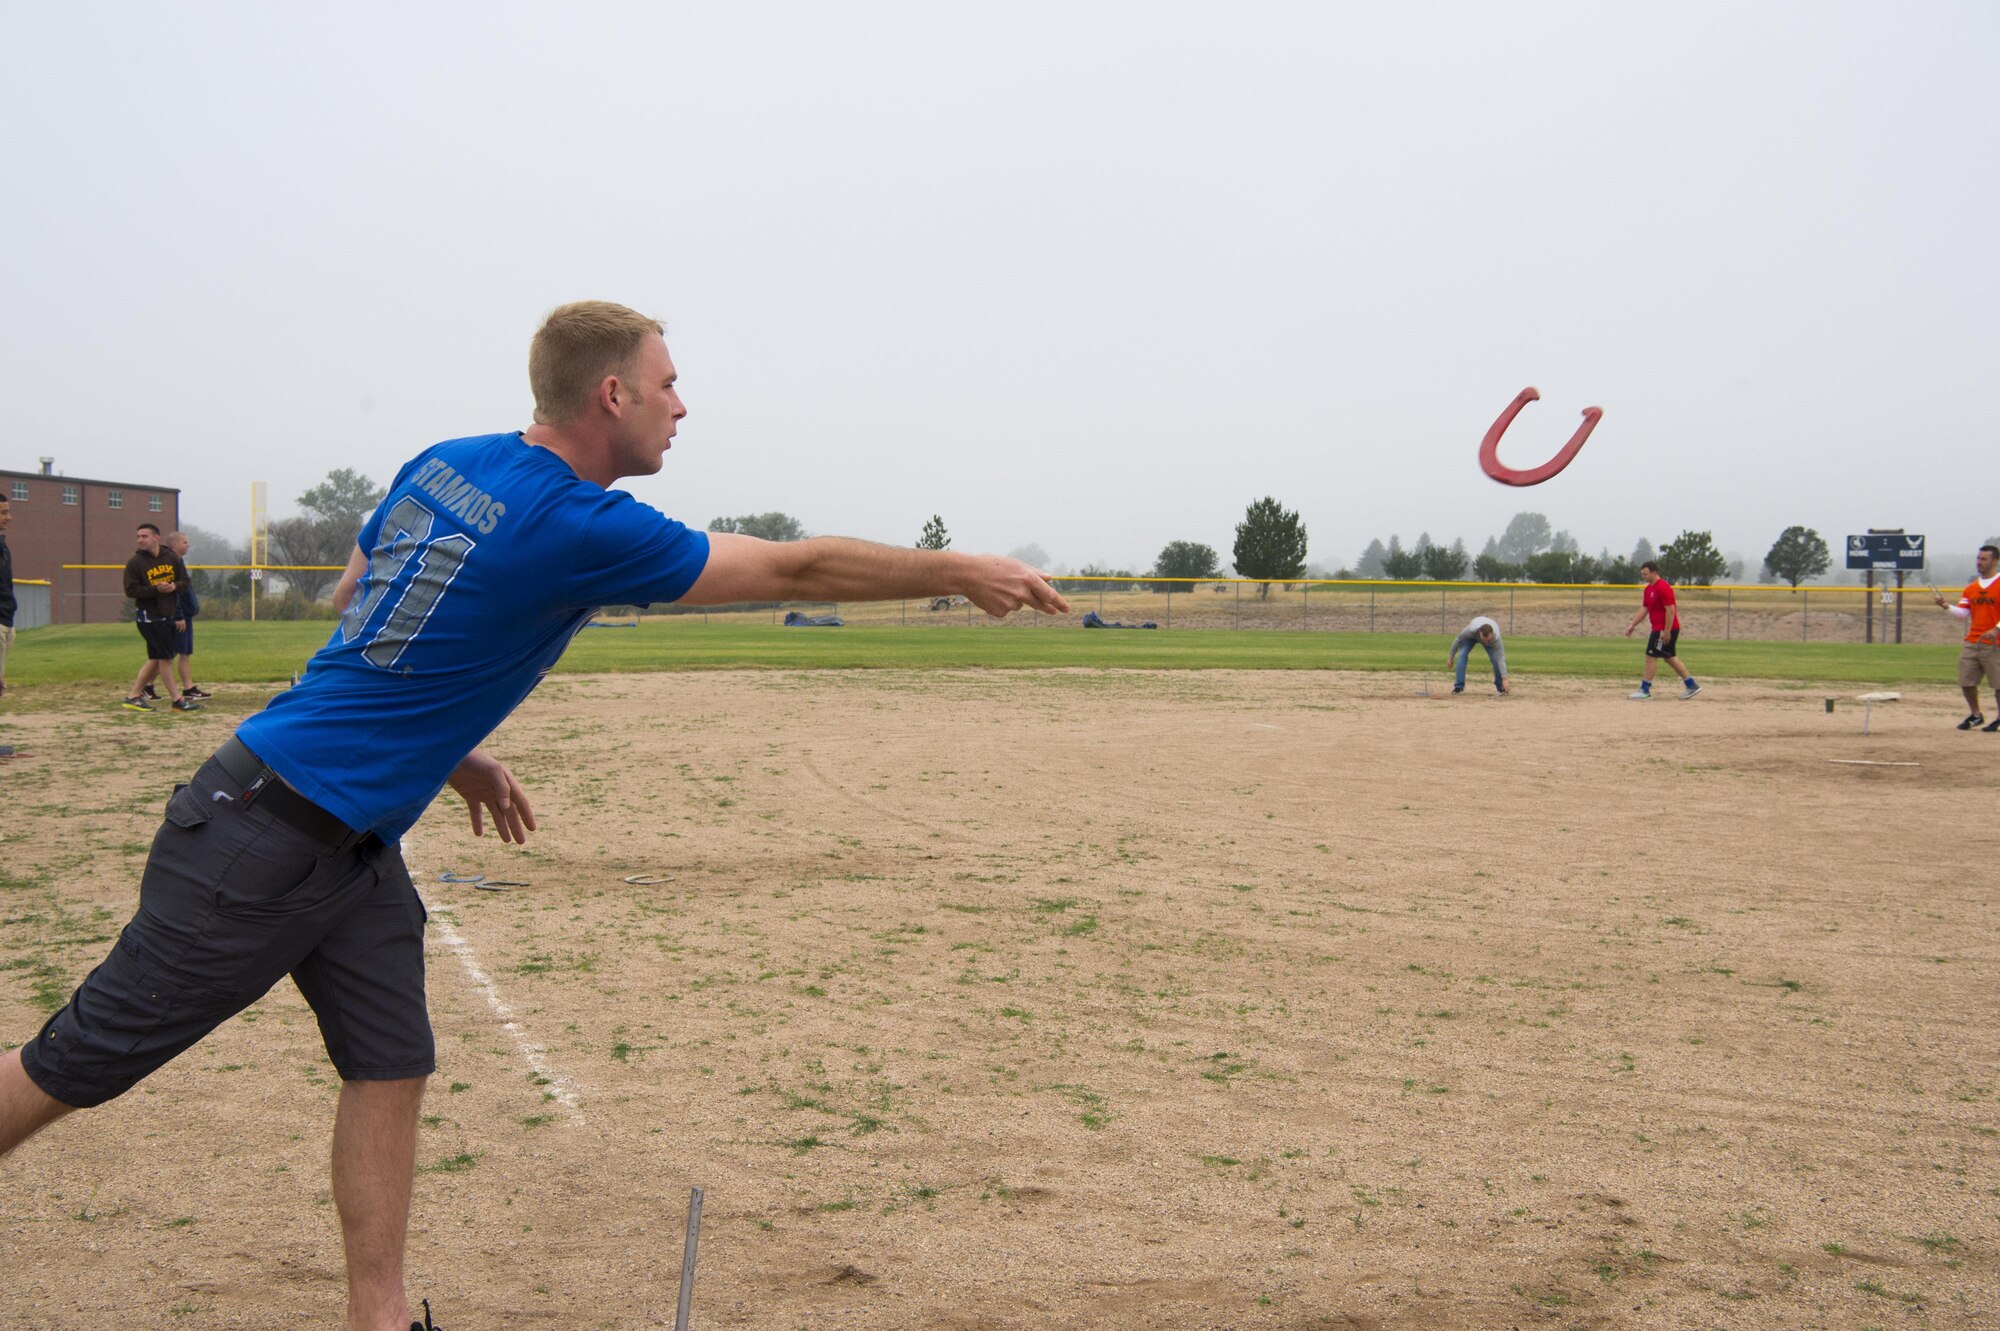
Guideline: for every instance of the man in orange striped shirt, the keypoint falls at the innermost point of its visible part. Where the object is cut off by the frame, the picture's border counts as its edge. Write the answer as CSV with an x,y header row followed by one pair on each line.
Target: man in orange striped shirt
x,y
1980,657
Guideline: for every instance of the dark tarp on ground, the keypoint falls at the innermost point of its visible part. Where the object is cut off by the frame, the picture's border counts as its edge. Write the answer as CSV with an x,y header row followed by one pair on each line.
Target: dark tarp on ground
x,y
1093,620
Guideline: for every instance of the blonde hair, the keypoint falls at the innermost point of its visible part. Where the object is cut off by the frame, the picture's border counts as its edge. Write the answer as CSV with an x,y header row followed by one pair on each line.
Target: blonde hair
x,y
576,346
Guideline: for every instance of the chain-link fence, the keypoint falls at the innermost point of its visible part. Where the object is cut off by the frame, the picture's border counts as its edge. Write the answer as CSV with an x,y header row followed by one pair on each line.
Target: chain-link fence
x,y
1751,613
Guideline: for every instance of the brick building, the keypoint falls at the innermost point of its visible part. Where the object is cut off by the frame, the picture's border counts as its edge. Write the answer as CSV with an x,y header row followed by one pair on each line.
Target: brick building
x,y
67,520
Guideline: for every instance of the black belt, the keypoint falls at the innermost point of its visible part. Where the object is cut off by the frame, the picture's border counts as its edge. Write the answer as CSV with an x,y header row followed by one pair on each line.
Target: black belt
x,y
264,788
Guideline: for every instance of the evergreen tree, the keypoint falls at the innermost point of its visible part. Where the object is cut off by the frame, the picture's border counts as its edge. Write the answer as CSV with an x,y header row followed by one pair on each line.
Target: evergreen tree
x,y
1270,544
1445,563
1401,564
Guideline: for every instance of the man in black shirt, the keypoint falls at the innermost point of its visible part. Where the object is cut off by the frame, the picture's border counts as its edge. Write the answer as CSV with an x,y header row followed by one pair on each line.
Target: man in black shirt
x,y
7,602
154,579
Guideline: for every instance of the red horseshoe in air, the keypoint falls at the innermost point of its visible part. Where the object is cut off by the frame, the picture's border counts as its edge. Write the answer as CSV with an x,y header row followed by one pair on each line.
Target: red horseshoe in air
x,y
1489,448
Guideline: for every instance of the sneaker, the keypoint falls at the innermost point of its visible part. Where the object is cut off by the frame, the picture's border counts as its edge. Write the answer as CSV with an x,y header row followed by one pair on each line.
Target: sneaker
x,y
1458,688
427,1324
185,705
1692,689
137,703
1991,728
1641,696
152,693
196,691
1973,722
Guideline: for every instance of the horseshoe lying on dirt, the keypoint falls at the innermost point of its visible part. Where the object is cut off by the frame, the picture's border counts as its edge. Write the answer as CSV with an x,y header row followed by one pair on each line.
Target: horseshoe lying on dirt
x,y
1489,448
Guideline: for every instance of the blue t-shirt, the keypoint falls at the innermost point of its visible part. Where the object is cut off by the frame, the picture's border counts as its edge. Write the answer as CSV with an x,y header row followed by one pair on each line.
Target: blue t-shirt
x,y
485,558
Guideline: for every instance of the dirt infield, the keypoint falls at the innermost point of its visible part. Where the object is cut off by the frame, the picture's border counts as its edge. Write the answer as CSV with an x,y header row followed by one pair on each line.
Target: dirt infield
x,y
1083,999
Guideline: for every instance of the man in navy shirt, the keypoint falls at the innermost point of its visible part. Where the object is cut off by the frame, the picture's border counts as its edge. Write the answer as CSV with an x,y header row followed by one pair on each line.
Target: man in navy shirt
x,y
280,857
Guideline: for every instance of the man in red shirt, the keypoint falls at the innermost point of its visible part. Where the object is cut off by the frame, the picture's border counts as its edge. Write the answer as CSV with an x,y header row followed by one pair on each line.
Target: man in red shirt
x,y
1980,608
1666,635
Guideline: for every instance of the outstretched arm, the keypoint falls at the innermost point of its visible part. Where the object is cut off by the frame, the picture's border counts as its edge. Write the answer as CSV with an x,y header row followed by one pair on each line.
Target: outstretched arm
x,y
835,568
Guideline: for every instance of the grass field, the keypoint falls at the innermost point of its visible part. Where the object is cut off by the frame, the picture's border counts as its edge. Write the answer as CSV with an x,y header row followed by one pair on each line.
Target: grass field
x,y
242,653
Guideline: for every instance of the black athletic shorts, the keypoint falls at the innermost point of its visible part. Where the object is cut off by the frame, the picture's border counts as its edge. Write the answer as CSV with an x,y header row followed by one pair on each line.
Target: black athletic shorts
x,y
1662,644
159,636
232,900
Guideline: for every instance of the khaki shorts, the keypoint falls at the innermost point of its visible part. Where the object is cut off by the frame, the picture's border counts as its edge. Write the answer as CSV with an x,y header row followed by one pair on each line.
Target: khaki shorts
x,y
1978,658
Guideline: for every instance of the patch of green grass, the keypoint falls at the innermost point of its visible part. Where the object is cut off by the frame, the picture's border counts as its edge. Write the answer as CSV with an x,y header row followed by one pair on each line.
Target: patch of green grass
x,y
1881,1291
451,1164
267,652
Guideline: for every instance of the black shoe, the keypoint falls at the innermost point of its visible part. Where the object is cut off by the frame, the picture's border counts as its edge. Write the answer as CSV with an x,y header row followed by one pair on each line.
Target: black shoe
x,y
1991,727
152,693
138,703
1458,688
195,691
1972,722
427,1324
185,704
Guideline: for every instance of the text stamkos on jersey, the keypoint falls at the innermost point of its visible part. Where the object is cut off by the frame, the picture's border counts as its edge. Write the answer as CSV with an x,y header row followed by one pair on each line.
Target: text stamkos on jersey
x,y
458,496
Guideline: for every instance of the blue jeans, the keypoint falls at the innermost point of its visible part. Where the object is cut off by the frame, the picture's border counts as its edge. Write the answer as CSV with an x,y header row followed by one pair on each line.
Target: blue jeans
x,y
1496,654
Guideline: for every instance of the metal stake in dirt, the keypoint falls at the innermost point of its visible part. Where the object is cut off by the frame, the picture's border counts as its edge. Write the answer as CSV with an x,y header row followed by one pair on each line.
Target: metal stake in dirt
x,y
687,1261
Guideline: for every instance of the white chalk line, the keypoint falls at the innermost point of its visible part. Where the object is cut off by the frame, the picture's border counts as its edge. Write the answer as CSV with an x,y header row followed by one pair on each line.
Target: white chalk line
x,y
532,1052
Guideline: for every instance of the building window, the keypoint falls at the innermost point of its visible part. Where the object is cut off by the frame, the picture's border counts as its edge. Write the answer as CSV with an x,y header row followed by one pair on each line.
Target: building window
x,y
117,498
153,504
69,494
20,489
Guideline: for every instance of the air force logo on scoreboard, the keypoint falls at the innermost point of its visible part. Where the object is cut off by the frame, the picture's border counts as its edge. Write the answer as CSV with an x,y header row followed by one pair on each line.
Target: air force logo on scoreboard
x,y
1885,550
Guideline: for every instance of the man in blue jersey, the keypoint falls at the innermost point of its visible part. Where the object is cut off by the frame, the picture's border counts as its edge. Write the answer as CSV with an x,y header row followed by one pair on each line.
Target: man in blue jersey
x,y
280,856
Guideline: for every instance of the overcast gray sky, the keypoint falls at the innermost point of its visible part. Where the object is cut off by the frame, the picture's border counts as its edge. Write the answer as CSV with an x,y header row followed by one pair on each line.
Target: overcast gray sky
x,y
1092,276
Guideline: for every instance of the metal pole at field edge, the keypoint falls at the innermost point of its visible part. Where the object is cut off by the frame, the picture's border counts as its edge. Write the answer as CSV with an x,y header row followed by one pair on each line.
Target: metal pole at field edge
x,y
687,1261
1239,604
1805,615
1371,609
1728,609
1579,612
1510,609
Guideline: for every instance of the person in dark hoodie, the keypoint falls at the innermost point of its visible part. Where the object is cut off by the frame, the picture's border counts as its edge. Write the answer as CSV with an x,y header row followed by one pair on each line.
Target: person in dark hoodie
x,y
154,579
